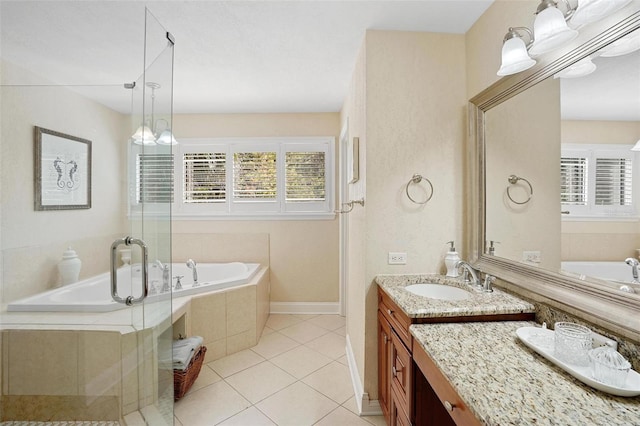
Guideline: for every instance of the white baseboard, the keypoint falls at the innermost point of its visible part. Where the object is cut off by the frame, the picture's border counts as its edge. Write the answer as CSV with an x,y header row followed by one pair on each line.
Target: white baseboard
x,y
366,406
305,308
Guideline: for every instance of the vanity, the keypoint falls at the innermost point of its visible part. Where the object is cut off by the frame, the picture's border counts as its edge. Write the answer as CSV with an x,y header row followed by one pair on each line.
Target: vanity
x,y
410,387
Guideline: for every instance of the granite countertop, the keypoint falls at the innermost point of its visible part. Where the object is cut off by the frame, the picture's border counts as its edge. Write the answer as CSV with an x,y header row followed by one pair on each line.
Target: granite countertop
x,y
503,382
479,303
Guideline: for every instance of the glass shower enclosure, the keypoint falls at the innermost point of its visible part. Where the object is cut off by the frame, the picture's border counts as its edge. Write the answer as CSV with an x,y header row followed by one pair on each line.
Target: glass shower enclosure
x,y
90,361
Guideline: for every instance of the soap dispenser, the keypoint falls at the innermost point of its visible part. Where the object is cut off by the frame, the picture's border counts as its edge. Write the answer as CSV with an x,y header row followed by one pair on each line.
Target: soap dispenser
x,y
450,261
69,267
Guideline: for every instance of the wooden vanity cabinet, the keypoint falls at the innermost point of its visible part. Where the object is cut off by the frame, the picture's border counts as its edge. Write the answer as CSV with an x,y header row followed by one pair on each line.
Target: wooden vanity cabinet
x,y
411,389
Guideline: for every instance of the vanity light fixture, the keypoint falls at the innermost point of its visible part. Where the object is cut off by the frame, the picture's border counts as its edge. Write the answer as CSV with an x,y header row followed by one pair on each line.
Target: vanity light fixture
x,y
550,29
146,135
581,68
515,57
627,44
589,11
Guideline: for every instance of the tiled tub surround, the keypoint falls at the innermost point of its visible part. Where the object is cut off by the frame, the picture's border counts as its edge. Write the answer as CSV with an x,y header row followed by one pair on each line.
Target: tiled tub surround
x,y
479,303
503,382
74,366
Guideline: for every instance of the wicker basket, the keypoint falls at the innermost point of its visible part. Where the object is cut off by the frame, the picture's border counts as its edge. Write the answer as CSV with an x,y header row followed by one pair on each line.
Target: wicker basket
x,y
182,380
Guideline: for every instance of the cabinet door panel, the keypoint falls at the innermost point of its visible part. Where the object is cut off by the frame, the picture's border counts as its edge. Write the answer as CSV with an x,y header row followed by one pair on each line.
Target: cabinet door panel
x,y
384,364
401,372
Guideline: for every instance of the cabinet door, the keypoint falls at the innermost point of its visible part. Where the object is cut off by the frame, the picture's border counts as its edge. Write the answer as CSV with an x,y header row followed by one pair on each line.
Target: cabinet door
x,y
398,415
384,364
401,372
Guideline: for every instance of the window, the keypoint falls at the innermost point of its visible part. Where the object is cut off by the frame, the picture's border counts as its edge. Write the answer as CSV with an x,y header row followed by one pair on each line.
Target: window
x,y
263,177
154,178
597,180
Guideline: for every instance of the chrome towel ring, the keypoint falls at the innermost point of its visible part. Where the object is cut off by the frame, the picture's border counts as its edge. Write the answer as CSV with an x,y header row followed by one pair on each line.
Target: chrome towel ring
x,y
513,179
417,179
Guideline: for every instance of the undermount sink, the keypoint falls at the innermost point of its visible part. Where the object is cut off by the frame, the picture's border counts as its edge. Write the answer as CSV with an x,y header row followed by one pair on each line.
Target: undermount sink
x,y
438,291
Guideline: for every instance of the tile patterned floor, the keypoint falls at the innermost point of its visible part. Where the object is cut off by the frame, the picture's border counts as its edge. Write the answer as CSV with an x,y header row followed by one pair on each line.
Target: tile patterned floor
x,y
296,375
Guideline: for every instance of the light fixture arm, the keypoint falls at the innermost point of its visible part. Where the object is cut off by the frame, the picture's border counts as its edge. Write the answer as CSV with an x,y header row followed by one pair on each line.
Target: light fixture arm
x,y
517,32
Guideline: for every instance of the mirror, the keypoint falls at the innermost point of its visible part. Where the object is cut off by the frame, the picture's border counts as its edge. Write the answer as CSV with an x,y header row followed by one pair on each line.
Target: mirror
x,y
520,125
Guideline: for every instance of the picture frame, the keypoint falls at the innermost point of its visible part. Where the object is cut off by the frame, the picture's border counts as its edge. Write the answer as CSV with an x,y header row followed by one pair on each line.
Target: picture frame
x,y
62,171
353,159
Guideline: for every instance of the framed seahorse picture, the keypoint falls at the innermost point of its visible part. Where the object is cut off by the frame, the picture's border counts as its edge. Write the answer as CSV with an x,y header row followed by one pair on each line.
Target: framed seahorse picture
x,y
62,171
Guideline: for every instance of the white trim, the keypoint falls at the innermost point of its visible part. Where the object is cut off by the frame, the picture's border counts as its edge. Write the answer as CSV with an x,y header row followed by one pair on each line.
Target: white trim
x,y
305,308
343,192
366,406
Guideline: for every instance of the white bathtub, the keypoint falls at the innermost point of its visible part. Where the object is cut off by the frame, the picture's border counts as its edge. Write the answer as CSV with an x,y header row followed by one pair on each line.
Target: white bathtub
x,y
610,271
94,294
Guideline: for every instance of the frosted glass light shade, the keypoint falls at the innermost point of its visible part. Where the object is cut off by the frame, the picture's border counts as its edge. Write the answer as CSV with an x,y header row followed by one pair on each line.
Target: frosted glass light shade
x,y
627,44
515,57
589,11
167,138
143,136
550,31
579,69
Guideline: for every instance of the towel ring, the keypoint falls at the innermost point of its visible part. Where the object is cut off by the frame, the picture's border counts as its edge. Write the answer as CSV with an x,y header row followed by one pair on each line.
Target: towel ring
x,y
513,179
417,179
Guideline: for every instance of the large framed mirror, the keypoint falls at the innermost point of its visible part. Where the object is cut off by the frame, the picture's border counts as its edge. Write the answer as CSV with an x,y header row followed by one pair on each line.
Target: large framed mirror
x,y
531,137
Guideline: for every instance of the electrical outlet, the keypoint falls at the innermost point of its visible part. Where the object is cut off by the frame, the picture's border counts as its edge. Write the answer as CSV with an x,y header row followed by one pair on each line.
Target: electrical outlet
x,y
397,258
531,256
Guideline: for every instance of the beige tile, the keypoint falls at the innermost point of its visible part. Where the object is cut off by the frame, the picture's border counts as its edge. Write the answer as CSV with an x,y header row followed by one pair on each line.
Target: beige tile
x,y
351,405
206,377
274,344
260,381
375,420
342,331
34,370
209,317
250,247
249,417
343,417
210,405
267,330
304,317
216,350
301,361
343,360
242,341
241,310
134,419
332,380
331,345
99,366
330,322
296,405
176,422
232,364
280,321
303,332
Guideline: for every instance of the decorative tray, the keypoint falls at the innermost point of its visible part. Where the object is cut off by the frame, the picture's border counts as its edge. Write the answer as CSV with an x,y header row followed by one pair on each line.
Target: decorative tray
x,y
541,340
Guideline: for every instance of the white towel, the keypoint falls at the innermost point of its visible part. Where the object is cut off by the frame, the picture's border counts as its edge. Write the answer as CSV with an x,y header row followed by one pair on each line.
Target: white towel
x,y
184,350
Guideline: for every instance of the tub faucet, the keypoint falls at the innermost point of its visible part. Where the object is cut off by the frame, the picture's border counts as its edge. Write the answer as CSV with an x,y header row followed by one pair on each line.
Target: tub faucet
x,y
191,264
166,279
634,268
466,271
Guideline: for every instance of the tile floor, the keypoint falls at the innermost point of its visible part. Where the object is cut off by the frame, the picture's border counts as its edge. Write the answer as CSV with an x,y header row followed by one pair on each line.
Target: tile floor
x,y
296,375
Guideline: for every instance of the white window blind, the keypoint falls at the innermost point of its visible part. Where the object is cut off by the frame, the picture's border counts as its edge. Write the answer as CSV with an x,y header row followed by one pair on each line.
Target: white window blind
x,y
598,181
204,177
614,182
154,178
573,181
256,177
305,176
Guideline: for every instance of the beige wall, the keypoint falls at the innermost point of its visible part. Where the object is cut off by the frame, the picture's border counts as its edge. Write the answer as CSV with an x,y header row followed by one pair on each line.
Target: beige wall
x,y
303,254
33,241
414,98
600,241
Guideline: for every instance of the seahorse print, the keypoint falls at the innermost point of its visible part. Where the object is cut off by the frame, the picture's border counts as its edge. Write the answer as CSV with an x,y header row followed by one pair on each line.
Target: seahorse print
x,y
72,172
56,165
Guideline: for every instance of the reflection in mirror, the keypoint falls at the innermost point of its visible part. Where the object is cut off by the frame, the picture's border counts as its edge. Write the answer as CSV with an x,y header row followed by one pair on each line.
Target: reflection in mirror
x,y
571,138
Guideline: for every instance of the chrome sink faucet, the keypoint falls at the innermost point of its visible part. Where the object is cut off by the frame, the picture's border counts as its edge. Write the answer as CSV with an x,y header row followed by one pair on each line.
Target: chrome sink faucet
x,y
634,268
191,264
466,271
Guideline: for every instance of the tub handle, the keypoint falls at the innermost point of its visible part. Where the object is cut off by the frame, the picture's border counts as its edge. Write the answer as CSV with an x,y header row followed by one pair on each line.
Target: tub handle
x,y
129,300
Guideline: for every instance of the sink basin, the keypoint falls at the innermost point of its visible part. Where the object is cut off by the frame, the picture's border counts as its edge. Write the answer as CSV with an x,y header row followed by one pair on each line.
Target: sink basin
x,y
438,291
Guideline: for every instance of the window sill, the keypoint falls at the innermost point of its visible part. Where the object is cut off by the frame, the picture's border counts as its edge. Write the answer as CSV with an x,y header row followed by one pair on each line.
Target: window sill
x,y
247,216
579,218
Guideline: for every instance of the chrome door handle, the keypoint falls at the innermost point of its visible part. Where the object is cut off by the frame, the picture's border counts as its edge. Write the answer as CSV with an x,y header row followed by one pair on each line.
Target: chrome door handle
x,y
129,300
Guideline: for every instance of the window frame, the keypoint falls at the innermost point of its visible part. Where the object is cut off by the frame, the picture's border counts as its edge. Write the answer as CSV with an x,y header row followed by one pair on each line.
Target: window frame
x,y
591,211
279,209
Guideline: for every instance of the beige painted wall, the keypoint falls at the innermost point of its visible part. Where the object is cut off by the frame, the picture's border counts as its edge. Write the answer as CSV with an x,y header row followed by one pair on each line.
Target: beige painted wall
x,y
33,241
600,241
303,254
414,95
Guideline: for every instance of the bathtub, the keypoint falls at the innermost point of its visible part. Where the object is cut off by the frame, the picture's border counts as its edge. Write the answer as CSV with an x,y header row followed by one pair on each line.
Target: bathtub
x,y
94,294
611,271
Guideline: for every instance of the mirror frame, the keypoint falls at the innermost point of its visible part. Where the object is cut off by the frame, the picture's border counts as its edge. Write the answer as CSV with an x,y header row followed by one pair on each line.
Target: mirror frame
x,y
595,300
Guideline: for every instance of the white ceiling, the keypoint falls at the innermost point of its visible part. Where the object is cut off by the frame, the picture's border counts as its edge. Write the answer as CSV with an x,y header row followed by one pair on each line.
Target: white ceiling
x,y
230,56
